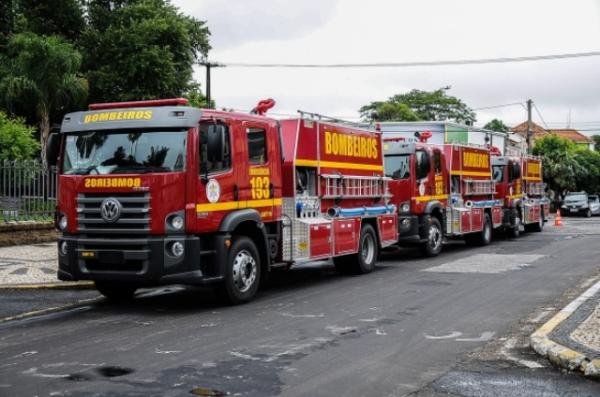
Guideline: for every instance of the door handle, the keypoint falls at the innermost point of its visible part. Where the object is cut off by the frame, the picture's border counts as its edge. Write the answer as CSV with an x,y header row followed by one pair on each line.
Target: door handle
x,y
271,190
236,192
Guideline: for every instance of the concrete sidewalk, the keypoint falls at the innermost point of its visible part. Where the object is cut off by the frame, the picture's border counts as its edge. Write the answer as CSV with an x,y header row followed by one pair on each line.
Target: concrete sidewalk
x,y
32,266
571,339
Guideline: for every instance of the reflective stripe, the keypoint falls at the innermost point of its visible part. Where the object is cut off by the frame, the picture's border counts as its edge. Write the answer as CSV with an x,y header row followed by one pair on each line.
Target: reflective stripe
x,y
338,164
532,178
429,198
234,205
471,173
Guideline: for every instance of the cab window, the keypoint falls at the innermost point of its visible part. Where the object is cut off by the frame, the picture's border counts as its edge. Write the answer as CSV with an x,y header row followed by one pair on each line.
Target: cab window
x,y
397,166
257,145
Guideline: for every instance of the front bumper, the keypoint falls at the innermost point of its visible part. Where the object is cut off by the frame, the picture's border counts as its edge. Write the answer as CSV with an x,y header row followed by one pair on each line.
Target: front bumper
x,y
409,229
144,261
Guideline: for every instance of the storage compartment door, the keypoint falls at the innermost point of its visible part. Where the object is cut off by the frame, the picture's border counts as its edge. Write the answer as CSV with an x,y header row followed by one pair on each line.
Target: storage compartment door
x,y
345,236
320,240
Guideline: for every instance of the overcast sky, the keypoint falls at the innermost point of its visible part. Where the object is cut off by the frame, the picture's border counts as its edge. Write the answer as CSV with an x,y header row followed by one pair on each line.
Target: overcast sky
x,y
352,31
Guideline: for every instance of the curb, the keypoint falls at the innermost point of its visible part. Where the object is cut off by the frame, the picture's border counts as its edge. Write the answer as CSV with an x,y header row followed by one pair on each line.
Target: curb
x,y
56,285
558,354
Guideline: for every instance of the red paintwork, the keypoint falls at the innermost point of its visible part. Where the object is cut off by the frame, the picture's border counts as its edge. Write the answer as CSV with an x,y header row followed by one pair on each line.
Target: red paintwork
x,y
388,227
346,232
320,240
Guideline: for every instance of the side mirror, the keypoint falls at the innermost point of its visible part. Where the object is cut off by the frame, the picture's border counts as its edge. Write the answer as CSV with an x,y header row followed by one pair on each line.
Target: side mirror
x,y
516,171
423,166
52,149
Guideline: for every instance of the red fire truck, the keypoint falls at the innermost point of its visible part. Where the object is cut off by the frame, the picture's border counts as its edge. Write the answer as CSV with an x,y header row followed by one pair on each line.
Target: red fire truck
x,y
157,192
441,191
519,185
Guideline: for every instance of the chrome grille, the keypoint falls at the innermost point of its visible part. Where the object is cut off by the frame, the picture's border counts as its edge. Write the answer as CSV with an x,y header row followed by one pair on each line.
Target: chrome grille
x,y
134,218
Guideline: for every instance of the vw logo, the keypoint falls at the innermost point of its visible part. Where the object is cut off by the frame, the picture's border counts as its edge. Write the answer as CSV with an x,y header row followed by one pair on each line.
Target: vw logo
x,y
110,210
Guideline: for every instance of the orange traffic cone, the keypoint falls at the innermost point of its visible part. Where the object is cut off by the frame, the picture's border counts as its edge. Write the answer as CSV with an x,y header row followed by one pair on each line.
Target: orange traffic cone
x,y
557,219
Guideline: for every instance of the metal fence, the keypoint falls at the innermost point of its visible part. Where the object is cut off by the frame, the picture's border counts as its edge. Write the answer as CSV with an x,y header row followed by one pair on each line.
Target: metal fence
x,y
27,191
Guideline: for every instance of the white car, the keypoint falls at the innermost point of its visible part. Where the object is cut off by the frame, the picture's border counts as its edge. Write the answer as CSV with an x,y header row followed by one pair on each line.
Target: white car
x,y
594,203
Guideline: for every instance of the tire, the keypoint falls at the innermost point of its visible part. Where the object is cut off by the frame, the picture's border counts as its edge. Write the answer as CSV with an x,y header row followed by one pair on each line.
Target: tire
x,y
513,232
242,272
365,259
435,236
116,292
588,213
535,227
484,237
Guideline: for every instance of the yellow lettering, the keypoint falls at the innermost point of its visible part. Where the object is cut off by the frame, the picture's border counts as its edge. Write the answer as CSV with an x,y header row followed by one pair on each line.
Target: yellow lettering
x,y
327,142
87,118
147,114
87,183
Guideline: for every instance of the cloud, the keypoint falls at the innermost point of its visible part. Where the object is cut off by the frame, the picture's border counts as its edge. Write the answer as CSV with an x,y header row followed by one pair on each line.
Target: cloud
x,y
235,22
400,31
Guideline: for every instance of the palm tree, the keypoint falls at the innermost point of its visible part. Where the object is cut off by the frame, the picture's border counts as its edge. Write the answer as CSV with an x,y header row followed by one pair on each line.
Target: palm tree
x,y
42,76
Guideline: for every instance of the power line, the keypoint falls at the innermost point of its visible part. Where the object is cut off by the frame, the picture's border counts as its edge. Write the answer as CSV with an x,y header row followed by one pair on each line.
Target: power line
x,y
539,114
501,106
412,64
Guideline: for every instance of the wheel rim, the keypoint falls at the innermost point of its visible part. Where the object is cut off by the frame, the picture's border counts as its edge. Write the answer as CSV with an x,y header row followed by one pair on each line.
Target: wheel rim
x,y
244,271
435,237
368,249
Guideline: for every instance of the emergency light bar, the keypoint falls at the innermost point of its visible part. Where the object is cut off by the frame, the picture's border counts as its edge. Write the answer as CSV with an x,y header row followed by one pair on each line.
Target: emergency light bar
x,y
138,104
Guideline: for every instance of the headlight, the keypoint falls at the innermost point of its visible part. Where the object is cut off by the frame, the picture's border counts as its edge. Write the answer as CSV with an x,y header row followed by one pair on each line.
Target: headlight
x,y
177,249
63,248
177,222
62,223
405,207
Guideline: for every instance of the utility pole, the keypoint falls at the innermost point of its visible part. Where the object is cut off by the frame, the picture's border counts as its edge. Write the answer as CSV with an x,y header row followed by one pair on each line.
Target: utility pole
x,y
208,66
529,125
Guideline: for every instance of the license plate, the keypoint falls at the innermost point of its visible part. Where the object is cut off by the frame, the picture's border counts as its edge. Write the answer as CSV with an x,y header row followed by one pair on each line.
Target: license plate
x,y
112,257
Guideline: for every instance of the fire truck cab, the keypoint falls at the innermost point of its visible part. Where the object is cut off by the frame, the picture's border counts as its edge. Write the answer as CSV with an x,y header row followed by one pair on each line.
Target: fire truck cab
x,y
157,192
441,192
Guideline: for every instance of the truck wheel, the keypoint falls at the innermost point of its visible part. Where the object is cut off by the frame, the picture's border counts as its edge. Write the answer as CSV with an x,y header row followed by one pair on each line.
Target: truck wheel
x,y
364,260
513,232
535,227
116,292
484,237
433,245
242,272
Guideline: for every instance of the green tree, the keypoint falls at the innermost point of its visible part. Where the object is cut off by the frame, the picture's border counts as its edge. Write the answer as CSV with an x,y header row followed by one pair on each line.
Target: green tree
x,y
560,166
140,49
589,178
196,98
596,139
419,105
17,140
53,18
496,125
42,76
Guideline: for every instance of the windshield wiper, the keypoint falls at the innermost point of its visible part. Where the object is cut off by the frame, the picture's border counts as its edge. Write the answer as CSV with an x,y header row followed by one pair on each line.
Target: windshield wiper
x,y
139,169
84,171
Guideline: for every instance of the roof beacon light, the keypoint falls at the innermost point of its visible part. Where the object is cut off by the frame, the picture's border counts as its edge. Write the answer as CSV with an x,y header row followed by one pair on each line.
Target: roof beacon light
x,y
262,106
423,136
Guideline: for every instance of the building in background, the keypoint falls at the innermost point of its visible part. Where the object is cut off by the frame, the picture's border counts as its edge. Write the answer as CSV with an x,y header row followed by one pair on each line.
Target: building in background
x,y
445,132
568,133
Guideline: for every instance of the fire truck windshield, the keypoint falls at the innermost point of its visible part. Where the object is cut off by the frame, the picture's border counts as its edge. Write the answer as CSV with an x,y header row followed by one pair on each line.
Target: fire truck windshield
x,y
127,151
397,166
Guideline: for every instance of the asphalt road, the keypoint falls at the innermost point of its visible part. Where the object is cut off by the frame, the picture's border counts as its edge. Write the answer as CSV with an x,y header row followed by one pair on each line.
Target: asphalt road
x,y
414,326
